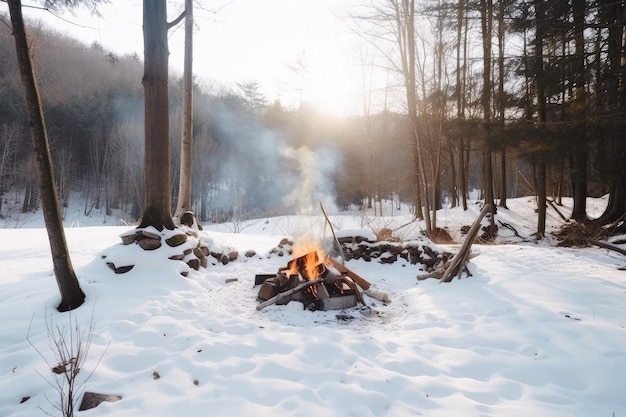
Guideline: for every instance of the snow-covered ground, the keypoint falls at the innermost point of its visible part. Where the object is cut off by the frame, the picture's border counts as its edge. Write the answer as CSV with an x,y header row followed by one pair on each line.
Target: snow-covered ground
x,y
538,330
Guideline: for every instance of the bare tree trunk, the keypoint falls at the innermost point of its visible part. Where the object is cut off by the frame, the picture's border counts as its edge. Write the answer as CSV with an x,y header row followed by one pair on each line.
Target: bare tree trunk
x,y
616,17
540,177
405,32
579,174
8,150
407,28
486,18
71,294
184,185
464,167
157,168
501,102
465,151
459,108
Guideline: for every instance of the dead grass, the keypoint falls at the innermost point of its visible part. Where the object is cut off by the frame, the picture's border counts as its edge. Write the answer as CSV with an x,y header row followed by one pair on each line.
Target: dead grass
x,y
577,235
441,236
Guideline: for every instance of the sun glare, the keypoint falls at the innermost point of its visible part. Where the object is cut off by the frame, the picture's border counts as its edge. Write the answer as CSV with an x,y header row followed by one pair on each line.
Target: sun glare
x,y
251,41
332,89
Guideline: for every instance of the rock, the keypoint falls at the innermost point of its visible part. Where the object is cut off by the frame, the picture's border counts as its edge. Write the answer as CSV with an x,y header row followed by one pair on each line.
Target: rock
x,y
128,239
250,253
187,219
149,243
194,263
198,252
233,255
176,240
388,259
204,249
284,241
120,269
149,235
93,399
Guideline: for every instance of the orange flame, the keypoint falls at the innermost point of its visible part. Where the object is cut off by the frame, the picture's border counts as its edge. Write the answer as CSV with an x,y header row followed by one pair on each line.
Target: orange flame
x,y
313,255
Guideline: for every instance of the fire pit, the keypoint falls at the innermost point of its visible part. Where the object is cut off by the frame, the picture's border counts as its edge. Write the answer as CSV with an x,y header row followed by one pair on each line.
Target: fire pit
x,y
319,284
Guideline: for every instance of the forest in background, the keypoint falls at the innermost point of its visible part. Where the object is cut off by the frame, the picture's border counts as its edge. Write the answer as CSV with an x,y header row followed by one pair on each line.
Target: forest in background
x,y
551,99
251,157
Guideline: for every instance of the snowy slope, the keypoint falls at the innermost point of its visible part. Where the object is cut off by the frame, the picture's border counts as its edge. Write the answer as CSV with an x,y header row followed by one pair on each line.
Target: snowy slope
x,y
537,330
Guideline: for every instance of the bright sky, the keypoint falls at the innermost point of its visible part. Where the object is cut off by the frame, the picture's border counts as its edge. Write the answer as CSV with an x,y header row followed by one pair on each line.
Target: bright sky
x,y
247,40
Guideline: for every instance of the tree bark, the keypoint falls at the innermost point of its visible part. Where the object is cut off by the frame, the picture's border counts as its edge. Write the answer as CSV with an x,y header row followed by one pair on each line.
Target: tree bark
x,y
615,16
579,170
540,177
71,294
184,186
157,168
405,18
501,103
486,18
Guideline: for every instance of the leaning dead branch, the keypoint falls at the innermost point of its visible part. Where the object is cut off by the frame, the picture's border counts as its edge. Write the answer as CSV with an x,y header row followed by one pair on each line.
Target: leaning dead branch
x,y
458,263
555,208
336,243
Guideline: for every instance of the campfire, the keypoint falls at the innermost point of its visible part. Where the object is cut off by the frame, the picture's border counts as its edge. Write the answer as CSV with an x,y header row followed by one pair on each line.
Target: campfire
x,y
316,280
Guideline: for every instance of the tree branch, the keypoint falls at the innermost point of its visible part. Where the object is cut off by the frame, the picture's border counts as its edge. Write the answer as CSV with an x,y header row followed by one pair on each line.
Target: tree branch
x,y
177,20
457,264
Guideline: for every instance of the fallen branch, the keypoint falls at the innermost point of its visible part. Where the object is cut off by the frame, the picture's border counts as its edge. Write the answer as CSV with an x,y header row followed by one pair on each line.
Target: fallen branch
x,y
607,246
508,226
457,264
378,295
438,272
566,220
287,293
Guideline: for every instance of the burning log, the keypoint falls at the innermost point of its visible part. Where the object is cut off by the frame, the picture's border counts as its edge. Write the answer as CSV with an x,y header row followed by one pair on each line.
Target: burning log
x,y
277,284
345,270
379,295
287,293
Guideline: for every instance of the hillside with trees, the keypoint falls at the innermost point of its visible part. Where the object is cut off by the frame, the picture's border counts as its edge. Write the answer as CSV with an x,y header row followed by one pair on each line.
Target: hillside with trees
x,y
509,97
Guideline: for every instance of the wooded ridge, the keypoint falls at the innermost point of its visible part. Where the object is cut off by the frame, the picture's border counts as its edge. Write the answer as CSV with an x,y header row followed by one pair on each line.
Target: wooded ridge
x,y
547,118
